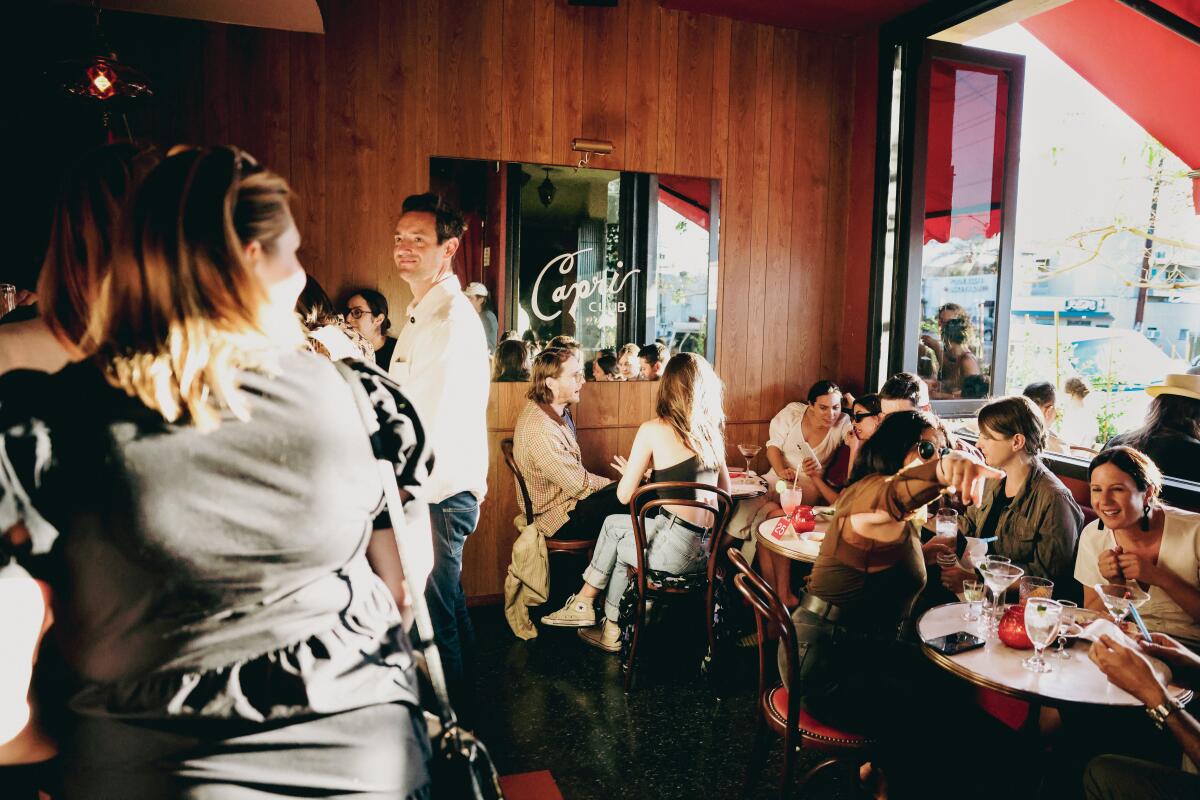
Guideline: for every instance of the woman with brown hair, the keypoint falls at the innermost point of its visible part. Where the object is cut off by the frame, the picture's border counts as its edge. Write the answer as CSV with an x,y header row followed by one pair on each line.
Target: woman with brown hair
x,y
1139,538
205,491
684,442
83,233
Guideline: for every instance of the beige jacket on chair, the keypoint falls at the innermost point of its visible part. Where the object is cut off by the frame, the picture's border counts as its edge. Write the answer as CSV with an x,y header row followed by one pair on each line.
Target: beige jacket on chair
x,y
528,580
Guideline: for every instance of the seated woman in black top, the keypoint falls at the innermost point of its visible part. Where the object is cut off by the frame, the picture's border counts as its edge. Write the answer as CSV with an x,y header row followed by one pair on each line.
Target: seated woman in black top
x,y
205,491
684,442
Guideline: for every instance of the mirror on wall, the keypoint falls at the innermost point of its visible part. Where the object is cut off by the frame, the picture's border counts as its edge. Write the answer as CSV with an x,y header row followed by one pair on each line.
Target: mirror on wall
x,y
606,257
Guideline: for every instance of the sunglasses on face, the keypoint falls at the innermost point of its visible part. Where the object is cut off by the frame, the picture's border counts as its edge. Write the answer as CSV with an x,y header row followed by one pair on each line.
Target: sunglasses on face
x,y
861,415
926,450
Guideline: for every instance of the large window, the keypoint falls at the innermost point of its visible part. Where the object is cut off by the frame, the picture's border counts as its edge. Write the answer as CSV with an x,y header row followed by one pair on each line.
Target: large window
x,y
1085,272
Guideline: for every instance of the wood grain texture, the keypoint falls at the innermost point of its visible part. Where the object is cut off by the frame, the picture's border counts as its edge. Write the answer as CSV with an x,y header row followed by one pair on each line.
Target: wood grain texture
x,y
352,118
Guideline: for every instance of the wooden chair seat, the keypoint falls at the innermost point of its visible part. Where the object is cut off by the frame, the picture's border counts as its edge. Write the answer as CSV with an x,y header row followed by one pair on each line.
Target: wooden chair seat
x,y
552,545
569,545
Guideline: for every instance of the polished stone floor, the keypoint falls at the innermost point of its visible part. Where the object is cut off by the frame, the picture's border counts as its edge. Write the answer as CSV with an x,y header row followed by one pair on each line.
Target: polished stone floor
x,y
556,704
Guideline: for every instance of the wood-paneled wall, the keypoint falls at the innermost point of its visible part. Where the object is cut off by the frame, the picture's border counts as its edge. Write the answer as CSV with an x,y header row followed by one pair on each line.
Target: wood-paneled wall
x,y
351,119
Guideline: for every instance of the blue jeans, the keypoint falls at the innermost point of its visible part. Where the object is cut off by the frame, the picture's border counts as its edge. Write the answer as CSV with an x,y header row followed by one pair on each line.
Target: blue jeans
x,y
453,521
673,548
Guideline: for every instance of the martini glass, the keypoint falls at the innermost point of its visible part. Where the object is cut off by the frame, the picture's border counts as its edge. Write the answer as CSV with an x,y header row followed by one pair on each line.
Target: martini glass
x,y
998,576
1042,618
749,451
1119,598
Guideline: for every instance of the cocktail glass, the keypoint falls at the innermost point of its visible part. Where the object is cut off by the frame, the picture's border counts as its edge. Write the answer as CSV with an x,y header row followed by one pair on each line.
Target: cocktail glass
x,y
998,576
1119,597
1042,619
945,526
749,451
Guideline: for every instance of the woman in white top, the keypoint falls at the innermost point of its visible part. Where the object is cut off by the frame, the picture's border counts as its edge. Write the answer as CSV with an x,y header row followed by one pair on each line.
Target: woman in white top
x,y
1137,538
818,424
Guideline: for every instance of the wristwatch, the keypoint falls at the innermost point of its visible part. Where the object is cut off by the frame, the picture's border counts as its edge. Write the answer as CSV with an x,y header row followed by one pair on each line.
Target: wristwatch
x,y
1163,710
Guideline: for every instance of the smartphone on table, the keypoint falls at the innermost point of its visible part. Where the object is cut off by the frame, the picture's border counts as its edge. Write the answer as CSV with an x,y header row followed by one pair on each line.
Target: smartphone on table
x,y
954,643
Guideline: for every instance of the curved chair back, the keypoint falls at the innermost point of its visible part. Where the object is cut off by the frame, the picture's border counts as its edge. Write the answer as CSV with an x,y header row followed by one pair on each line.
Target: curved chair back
x,y
767,608
506,447
639,509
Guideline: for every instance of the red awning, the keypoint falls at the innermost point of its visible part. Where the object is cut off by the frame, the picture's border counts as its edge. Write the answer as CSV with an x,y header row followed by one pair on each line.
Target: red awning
x,y
687,197
964,170
1151,72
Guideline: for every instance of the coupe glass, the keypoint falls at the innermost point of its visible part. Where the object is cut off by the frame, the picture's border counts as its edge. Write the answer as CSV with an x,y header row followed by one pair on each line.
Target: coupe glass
x,y
1119,597
1042,619
998,576
749,451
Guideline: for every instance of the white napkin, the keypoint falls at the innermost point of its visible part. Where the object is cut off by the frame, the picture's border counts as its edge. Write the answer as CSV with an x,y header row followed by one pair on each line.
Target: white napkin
x,y
1106,627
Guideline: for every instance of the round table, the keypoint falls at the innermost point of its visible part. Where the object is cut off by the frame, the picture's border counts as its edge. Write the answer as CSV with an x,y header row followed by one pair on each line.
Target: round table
x,y
791,545
998,667
748,488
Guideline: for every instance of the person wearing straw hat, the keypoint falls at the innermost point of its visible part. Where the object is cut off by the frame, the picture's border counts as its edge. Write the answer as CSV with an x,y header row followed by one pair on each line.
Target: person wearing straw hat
x,y
1170,434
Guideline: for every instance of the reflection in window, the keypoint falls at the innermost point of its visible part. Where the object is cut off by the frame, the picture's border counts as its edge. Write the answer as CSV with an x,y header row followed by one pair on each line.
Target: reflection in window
x,y
682,274
964,185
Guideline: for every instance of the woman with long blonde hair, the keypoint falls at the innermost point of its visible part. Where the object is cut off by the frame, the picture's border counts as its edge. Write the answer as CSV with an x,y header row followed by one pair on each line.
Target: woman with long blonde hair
x,y
205,491
684,442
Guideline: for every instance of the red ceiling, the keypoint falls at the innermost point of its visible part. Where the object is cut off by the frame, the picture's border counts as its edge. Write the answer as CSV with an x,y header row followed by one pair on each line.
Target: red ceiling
x,y
832,16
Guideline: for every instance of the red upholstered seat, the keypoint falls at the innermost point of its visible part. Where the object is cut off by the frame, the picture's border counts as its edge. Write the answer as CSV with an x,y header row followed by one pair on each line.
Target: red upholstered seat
x,y
813,730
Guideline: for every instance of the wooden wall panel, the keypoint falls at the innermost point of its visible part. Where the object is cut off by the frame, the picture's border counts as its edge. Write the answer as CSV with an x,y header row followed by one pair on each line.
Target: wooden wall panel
x,y
352,118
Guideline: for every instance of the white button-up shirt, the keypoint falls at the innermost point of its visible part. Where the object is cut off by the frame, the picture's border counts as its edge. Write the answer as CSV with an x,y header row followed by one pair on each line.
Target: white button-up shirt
x,y
441,363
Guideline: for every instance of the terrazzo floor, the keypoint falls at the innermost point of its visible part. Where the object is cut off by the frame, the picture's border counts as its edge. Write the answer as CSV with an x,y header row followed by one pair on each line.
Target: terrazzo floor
x,y
557,704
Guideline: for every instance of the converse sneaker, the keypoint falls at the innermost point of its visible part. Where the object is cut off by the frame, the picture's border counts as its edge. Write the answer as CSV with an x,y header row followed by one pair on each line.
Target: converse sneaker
x,y
577,613
607,636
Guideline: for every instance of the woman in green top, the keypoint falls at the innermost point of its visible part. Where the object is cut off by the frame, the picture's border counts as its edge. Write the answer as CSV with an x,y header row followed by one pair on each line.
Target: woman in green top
x,y
1032,516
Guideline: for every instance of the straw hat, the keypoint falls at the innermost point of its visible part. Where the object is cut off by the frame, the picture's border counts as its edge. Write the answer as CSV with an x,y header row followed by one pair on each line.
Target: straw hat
x,y
1178,383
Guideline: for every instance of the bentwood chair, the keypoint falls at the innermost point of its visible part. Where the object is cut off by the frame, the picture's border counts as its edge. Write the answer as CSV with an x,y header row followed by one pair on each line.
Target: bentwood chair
x,y
655,583
778,709
553,545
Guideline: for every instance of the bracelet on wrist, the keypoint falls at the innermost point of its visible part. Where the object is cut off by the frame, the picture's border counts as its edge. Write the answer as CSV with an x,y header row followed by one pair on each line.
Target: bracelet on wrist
x,y
1160,712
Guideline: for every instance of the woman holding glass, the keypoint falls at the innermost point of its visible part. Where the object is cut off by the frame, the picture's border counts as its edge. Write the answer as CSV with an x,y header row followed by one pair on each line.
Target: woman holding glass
x,y
204,493
865,581
1028,514
1139,538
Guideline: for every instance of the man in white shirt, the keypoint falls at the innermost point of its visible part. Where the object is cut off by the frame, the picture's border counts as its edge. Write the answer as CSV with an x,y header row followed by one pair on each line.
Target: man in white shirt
x,y
477,293
441,363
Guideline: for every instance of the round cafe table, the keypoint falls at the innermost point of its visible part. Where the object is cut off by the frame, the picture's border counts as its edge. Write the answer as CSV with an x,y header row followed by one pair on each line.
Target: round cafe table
x,y
747,488
792,545
998,667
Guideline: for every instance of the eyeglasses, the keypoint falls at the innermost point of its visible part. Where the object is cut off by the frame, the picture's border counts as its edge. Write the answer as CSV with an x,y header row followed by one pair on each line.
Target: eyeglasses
x,y
860,416
357,313
927,449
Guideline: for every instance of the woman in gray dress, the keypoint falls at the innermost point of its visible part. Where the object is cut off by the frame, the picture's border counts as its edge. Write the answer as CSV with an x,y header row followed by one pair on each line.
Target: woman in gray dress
x,y
203,492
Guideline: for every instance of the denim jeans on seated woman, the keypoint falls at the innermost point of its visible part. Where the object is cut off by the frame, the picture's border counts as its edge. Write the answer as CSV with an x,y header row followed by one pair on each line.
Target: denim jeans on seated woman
x,y
673,548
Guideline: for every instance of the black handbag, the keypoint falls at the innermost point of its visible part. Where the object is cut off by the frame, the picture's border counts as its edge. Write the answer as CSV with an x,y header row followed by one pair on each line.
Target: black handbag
x,y
460,766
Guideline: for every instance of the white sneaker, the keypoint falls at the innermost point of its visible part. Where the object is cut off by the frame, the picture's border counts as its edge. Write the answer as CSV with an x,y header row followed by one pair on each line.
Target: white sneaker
x,y
607,636
577,613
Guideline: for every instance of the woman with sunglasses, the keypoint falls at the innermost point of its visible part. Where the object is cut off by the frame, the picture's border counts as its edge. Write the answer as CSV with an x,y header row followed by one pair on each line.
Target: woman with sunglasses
x,y
367,312
1029,515
866,414
855,672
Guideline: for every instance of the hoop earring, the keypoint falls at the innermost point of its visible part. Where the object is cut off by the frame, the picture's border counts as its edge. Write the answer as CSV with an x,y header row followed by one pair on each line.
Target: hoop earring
x,y
1145,523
